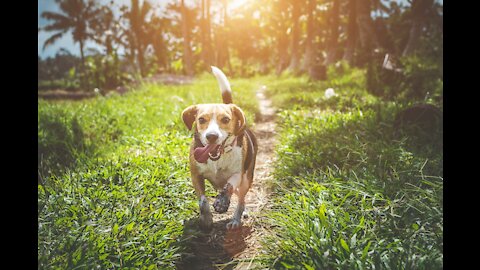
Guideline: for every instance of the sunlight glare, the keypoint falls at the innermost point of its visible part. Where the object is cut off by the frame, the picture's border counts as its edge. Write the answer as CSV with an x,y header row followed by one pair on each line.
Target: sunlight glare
x,y
234,4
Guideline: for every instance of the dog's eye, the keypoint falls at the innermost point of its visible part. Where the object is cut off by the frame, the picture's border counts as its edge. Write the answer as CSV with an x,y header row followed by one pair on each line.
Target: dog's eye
x,y
201,120
225,120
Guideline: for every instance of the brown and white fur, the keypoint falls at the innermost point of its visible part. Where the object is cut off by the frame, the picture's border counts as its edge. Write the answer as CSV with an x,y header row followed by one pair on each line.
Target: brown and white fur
x,y
233,171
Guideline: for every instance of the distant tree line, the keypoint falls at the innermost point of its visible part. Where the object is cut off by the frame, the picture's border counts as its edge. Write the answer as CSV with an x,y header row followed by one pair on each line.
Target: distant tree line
x,y
263,36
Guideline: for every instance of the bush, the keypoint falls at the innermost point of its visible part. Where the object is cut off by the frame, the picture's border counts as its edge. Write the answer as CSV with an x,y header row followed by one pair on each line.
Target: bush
x,y
418,79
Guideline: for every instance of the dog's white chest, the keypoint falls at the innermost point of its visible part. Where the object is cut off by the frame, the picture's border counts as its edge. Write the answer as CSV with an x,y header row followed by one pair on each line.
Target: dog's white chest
x,y
218,172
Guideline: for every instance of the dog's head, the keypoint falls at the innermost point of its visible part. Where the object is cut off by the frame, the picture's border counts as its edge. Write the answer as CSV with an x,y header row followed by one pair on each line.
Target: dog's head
x,y
214,122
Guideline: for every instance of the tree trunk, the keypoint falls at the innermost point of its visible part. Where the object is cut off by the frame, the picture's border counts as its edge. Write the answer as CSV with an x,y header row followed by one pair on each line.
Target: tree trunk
x,y
333,41
282,39
141,59
202,31
295,56
351,32
367,34
211,56
187,51
309,51
221,38
419,9
227,27
206,35
365,23
282,53
84,78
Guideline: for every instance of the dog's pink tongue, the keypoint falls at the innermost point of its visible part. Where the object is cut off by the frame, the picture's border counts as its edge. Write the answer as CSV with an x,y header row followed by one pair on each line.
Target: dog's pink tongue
x,y
201,153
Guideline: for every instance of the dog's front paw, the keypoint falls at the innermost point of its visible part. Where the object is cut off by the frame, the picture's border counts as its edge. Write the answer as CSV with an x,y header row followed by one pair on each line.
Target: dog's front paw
x,y
222,202
206,218
234,224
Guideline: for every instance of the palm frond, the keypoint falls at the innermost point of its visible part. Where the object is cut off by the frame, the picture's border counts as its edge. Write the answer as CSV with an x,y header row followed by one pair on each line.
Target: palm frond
x,y
52,39
72,7
54,16
58,26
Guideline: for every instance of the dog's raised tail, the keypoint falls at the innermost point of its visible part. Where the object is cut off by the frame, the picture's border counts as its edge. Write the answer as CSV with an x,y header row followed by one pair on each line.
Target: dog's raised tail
x,y
224,85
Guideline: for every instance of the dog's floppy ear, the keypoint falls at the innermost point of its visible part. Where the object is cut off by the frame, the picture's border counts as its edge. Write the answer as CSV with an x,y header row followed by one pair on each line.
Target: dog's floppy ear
x,y
242,121
188,116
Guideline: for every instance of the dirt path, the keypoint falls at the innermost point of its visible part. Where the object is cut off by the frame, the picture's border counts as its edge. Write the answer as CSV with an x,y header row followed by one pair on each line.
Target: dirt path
x,y
222,249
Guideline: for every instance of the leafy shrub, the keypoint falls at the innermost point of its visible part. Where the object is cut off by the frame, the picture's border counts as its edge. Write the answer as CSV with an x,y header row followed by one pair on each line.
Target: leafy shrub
x,y
417,79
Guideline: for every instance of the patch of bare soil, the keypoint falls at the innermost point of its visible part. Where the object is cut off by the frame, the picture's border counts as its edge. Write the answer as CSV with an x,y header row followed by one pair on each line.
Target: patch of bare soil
x,y
237,249
170,79
61,94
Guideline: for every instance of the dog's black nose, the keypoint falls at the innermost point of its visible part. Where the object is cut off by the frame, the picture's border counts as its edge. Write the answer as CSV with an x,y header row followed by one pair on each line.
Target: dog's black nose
x,y
212,137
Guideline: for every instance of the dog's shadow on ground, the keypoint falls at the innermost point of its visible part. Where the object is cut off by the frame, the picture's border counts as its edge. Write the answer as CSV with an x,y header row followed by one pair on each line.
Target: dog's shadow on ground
x,y
214,249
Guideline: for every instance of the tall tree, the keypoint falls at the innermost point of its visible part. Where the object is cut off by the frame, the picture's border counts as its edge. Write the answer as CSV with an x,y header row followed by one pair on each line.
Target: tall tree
x,y
418,12
309,50
75,16
367,34
187,50
206,34
108,34
156,29
352,32
137,16
295,40
332,44
279,17
222,39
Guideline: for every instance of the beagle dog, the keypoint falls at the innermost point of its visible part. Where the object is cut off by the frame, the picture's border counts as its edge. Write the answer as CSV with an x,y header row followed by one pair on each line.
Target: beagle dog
x,y
223,151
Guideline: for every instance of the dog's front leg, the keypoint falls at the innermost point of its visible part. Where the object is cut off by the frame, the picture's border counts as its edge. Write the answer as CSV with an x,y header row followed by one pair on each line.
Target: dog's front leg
x,y
241,191
206,218
222,202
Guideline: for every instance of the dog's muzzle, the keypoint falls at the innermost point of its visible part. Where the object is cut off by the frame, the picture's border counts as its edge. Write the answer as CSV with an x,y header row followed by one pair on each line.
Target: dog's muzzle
x,y
213,151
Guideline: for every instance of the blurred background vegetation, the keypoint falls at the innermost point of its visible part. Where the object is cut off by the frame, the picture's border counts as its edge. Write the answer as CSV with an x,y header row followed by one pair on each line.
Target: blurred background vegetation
x,y
400,43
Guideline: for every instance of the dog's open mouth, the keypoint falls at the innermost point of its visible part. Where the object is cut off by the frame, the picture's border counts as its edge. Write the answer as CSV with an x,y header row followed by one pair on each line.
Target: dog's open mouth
x,y
202,154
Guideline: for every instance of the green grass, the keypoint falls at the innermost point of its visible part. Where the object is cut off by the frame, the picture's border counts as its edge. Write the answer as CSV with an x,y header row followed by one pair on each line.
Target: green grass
x,y
347,195
115,187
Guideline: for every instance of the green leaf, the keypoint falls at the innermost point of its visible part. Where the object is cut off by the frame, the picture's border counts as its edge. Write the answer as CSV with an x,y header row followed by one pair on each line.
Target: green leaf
x,y
344,245
322,216
130,226
103,256
308,267
115,228
365,250
286,265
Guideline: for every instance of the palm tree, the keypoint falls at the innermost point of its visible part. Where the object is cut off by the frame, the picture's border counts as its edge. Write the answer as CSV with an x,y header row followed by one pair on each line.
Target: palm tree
x,y
309,49
107,32
75,16
332,43
419,12
187,49
295,41
138,33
